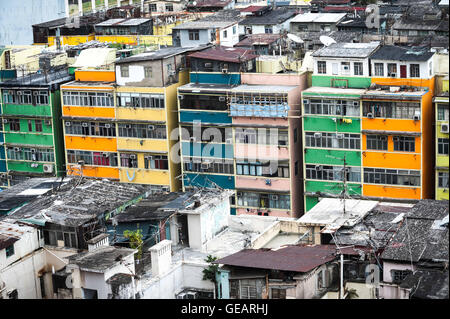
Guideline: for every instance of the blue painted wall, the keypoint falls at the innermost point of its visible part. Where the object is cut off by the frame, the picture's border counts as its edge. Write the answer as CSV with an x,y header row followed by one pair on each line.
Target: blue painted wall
x,y
218,78
207,150
204,180
205,117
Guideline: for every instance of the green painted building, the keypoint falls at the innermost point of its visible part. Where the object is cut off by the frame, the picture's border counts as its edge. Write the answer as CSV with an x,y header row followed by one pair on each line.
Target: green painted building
x,y
331,142
30,112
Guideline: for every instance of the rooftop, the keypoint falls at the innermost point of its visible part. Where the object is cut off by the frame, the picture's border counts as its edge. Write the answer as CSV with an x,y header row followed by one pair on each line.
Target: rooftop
x,y
53,77
423,235
74,204
310,17
159,54
347,50
11,232
258,39
396,53
101,259
272,17
427,284
209,3
225,54
289,258
122,22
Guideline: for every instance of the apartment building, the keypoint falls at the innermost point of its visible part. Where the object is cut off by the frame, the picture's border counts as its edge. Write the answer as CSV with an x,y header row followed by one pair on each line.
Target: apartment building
x,y
367,123
31,127
441,139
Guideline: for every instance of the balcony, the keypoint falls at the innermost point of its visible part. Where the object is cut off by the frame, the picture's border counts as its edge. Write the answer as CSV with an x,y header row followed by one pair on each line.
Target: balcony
x,y
258,110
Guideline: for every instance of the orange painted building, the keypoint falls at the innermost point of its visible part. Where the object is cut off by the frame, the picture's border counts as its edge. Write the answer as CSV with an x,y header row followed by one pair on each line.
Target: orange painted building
x,y
88,114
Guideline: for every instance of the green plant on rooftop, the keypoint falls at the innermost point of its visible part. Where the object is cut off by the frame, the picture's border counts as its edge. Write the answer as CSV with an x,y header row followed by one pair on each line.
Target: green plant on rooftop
x,y
135,239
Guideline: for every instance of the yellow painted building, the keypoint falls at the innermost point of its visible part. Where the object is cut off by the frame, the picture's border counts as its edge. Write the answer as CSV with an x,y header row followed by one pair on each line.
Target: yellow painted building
x,y
442,139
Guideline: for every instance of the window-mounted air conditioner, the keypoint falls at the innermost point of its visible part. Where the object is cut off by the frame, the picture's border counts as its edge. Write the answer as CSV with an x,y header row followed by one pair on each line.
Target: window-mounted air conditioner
x,y
318,168
305,101
205,165
274,197
132,156
48,168
370,115
84,124
444,128
68,123
107,125
317,135
340,136
222,98
229,141
150,127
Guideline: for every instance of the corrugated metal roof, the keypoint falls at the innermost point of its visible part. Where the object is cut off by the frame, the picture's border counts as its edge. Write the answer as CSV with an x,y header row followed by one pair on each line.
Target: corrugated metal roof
x,y
318,17
396,53
122,22
347,50
233,55
290,258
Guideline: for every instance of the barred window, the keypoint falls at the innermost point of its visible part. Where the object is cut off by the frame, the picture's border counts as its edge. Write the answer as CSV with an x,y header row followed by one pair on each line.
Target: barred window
x,y
14,125
392,69
208,165
31,154
194,35
262,169
414,70
148,71
377,142
207,134
124,71
443,179
92,158
321,67
128,160
332,107
358,68
38,125
404,143
97,99
443,112
443,146
90,128
333,140
262,136
143,100
156,162
333,173
142,131
398,110
264,200
391,176
379,69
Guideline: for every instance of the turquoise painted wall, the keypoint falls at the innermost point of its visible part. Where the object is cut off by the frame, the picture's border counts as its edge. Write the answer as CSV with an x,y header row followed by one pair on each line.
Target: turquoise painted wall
x,y
218,78
207,150
205,117
203,180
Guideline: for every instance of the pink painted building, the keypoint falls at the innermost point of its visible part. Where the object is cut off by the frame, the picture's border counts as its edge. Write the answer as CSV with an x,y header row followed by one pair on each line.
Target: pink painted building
x,y
265,111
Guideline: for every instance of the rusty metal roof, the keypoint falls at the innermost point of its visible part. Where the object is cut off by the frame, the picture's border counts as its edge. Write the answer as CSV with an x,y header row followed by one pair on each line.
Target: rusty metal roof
x,y
259,39
233,55
289,258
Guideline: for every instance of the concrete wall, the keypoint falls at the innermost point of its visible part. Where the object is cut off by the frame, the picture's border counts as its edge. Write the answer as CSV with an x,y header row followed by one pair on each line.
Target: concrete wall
x,y
387,289
340,71
204,38
17,17
424,67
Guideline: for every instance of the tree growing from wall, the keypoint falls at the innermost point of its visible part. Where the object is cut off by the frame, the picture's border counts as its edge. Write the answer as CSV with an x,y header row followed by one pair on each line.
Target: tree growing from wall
x,y
209,273
135,239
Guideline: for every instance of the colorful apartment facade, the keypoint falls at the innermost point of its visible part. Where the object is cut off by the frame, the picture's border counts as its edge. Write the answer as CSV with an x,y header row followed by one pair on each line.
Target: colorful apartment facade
x,y
441,139
31,126
124,133
365,112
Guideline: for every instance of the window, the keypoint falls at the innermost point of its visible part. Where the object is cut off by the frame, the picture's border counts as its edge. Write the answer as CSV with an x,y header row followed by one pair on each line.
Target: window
x,y
278,293
333,173
443,112
208,165
404,143
100,99
156,162
194,35
391,176
443,179
262,136
30,126
396,110
153,7
268,29
234,30
169,7
262,169
124,71
14,125
443,146
225,33
377,142
142,131
128,160
333,140
345,67
51,237
9,251
414,70
92,158
38,125
136,100
321,67
392,69
248,289
379,69
261,200
358,68
90,128
296,168
399,275
332,107
295,135
325,27
148,72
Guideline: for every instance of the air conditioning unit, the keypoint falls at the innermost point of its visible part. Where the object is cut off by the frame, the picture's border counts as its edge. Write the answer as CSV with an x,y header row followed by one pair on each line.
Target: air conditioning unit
x,y
180,97
229,141
33,150
183,295
16,149
222,98
3,175
19,93
5,121
225,71
383,138
268,182
416,117
11,92
192,295
318,168
128,126
107,125
48,168
317,135
355,103
393,75
84,124
35,93
104,154
370,115
239,194
205,165
132,156
48,122
396,139
340,136
444,128
150,127
192,139
149,157
274,197
81,163
305,101
68,123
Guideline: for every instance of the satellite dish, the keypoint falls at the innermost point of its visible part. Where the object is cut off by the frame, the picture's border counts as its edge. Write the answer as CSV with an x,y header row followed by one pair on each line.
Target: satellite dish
x,y
294,38
327,41
194,3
